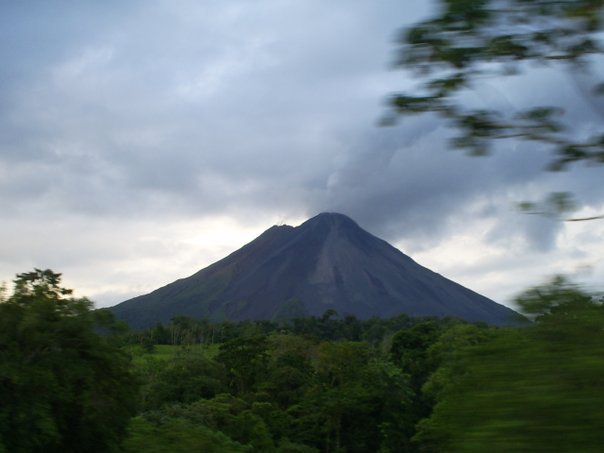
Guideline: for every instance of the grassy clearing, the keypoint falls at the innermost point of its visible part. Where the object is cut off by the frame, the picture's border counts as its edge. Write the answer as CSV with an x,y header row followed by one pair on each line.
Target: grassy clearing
x,y
165,352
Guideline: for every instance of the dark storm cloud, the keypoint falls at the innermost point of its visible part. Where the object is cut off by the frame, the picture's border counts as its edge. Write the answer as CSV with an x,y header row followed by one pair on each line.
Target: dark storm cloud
x,y
407,183
184,102
402,188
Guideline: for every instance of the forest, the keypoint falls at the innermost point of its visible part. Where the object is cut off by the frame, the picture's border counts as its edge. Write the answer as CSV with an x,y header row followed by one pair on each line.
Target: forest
x,y
74,379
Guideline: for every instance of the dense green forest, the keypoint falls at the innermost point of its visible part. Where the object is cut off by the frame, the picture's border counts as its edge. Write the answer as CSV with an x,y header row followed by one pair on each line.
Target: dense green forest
x,y
73,379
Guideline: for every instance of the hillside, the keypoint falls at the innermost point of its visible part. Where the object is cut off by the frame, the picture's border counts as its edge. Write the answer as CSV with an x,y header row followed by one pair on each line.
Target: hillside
x,y
328,262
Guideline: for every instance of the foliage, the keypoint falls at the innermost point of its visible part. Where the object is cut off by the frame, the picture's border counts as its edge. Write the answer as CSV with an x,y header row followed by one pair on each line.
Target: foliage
x,y
424,385
179,436
557,205
469,40
288,393
311,384
63,387
186,377
365,401
289,371
186,331
533,389
245,360
413,385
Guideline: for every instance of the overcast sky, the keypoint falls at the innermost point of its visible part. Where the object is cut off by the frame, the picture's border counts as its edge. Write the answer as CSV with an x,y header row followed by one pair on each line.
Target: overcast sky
x,y
141,141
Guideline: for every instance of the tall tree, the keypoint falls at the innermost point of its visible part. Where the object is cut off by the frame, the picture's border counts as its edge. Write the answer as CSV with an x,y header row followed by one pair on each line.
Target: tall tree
x,y
63,387
245,360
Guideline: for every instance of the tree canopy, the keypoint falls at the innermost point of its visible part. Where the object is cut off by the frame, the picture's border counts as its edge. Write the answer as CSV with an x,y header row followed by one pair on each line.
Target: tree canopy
x,y
534,389
319,384
63,387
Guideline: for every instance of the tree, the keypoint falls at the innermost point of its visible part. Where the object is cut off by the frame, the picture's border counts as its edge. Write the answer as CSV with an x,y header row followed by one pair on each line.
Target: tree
x,y
245,360
289,370
177,435
185,378
224,415
357,403
535,389
469,40
63,387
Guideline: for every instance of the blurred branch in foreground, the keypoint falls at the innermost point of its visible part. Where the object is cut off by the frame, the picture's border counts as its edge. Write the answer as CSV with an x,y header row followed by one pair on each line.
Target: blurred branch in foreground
x,y
557,206
470,40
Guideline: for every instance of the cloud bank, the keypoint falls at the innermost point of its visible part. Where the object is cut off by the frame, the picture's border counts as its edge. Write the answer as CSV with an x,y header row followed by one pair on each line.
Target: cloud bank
x,y
140,142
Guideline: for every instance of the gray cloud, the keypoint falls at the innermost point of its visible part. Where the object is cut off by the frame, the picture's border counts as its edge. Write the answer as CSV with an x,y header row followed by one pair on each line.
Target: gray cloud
x,y
113,117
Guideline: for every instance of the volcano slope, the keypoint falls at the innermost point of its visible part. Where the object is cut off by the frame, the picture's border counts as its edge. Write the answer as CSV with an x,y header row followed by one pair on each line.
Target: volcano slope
x,y
328,262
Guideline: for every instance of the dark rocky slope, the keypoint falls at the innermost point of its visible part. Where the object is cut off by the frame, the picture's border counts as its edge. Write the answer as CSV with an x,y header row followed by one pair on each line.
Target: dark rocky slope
x,y
328,262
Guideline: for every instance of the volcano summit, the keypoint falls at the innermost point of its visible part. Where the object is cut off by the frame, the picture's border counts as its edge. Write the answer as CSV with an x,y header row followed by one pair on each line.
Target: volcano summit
x,y
328,262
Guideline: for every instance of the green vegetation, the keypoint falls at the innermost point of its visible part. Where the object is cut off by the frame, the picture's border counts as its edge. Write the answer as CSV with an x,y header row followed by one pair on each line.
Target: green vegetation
x,y
329,384
63,387
143,354
534,389
310,385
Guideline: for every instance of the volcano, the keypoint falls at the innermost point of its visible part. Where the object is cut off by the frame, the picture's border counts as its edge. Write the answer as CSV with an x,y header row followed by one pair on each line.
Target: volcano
x,y
328,262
